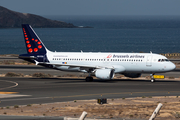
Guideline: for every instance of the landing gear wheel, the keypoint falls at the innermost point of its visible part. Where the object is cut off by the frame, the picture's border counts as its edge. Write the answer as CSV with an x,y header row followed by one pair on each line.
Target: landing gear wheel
x,y
152,80
89,79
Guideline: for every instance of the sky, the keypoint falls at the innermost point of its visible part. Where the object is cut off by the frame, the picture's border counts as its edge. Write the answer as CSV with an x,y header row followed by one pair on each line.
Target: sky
x,y
94,7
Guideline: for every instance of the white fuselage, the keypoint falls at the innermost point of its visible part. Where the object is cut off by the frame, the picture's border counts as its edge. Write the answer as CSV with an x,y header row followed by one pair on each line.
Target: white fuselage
x,y
120,62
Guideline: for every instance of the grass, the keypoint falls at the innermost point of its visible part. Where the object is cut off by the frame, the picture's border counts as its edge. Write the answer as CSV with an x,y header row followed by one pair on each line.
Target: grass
x,y
177,115
131,116
12,74
16,106
41,75
29,105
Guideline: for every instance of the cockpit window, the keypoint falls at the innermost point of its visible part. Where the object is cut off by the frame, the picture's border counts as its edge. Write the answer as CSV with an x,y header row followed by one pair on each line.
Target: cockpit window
x,y
163,60
167,60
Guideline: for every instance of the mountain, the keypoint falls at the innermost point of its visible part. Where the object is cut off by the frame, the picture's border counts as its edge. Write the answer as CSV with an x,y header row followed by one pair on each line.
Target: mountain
x,y
12,19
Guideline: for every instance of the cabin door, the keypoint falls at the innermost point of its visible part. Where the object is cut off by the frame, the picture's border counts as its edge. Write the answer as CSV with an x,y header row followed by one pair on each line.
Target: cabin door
x,y
149,61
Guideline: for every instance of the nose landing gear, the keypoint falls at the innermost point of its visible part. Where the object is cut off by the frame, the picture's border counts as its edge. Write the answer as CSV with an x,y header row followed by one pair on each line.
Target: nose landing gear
x,y
152,77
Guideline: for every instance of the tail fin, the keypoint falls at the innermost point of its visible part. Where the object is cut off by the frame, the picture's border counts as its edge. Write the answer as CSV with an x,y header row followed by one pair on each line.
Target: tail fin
x,y
36,50
33,43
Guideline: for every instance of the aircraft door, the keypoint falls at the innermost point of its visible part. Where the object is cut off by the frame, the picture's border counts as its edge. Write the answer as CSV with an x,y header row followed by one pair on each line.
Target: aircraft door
x,y
149,61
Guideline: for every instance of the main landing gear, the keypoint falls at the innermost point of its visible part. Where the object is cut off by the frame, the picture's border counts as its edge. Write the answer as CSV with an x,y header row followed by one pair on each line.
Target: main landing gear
x,y
152,78
89,79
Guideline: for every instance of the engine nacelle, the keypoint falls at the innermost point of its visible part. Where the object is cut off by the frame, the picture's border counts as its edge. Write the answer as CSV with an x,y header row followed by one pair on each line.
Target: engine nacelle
x,y
104,74
132,75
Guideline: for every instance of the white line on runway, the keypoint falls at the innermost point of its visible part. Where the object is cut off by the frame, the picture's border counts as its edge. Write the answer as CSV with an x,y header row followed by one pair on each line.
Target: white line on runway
x,y
12,95
16,84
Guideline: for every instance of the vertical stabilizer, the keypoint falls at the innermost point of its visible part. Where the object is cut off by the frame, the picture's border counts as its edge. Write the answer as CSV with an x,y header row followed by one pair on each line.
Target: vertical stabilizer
x,y
33,43
36,50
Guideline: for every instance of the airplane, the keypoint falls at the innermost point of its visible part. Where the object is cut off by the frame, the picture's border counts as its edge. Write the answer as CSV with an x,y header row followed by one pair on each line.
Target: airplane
x,y
101,65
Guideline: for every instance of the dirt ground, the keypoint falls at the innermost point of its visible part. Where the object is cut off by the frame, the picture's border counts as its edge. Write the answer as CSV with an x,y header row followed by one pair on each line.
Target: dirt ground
x,y
140,107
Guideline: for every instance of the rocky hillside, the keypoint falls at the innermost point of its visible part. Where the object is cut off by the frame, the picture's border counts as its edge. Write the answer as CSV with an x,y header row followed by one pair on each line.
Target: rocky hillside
x,y
12,19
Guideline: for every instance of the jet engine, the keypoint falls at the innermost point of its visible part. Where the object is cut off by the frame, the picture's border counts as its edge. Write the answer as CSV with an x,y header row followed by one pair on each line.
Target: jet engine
x,y
104,73
132,75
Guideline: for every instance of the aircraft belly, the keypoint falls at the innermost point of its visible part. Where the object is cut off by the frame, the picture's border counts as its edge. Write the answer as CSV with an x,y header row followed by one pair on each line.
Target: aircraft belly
x,y
68,68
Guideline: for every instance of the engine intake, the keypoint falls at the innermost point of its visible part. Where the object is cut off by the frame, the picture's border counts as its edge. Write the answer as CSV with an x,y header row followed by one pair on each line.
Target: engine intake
x,y
104,73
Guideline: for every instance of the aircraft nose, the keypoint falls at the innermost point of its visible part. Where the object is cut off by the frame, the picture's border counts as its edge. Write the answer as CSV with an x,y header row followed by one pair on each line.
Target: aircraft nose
x,y
171,66
174,66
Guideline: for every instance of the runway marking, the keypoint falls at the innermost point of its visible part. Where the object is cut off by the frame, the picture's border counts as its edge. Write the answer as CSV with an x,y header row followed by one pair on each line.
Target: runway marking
x,y
130,93
12,95
16,84
8,92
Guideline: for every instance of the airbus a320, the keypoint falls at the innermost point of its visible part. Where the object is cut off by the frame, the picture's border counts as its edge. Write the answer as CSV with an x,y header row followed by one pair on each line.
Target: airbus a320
x,y
102,65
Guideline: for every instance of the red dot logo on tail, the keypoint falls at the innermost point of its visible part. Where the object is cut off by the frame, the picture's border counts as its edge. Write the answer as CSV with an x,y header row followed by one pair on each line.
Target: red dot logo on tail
x,y
35,49
29,45
39,46
30,50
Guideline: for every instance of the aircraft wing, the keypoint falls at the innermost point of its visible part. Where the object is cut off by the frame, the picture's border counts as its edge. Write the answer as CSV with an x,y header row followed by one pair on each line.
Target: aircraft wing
x,y
82,66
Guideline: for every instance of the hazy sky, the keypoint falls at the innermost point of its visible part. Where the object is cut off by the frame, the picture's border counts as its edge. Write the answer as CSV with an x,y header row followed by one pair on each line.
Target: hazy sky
x,y
94,7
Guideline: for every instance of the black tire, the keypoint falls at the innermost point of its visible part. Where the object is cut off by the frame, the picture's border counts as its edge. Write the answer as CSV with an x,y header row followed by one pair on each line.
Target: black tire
x,y
89,79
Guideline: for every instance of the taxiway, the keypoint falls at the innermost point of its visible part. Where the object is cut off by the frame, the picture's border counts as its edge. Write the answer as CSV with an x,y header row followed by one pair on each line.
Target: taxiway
x,y
48,90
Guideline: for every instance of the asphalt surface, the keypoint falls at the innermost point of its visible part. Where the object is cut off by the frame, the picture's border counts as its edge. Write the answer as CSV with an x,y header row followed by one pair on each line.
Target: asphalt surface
x,y
47,90
5,117
31,69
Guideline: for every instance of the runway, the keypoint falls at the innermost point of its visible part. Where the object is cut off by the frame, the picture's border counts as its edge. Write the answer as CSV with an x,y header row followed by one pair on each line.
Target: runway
x,y
24,91
31,69
48,90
